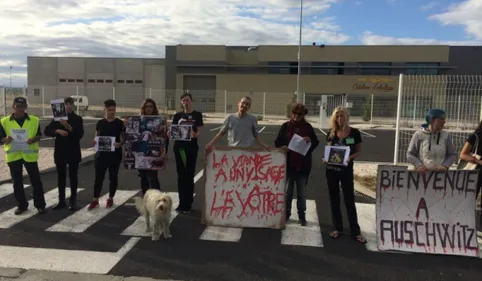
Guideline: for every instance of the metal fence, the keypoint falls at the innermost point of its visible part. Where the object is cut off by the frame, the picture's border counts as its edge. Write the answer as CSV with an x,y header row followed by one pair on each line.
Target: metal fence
x,y
370,110
459,95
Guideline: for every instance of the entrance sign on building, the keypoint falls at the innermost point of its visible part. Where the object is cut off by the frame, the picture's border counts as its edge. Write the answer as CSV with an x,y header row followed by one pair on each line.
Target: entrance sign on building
x,y
245,188
430,213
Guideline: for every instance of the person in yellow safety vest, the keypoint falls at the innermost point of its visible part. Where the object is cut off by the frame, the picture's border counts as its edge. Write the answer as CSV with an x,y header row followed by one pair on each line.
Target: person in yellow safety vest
x,y
20,133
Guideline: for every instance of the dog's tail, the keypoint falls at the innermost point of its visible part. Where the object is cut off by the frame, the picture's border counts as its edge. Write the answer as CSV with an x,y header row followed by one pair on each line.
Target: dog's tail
x,y
139,201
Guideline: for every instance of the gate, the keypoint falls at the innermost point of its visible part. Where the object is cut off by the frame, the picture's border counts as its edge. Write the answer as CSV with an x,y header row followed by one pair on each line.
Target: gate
x,y
327,105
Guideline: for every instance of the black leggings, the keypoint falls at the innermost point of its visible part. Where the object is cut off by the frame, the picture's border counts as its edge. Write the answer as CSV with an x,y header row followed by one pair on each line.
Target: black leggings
x,y
149,179
103,163
62,182
185,173
345,177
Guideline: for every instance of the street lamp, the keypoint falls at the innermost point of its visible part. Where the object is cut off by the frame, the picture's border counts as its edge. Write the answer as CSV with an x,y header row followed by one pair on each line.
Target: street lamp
x,y
298,97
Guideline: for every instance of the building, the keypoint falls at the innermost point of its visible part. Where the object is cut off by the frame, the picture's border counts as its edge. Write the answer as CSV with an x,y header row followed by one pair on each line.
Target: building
x,y
218,76
128,80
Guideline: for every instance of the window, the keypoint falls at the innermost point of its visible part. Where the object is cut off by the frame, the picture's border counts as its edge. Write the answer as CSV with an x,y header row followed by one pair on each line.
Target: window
x,y
326,68
91,80
36,92
138,81
121,81
108,81
422,68
80,81
100,80
373,68
129,81
282,67
62,80
71,80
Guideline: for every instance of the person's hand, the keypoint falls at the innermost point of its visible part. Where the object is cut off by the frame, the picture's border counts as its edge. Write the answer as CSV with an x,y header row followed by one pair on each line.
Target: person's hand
x,y
63,133
30,141
8,140
307,139
94,142
421,169
442,169
209,147
266,146
117,145
195,134
284,148
323,161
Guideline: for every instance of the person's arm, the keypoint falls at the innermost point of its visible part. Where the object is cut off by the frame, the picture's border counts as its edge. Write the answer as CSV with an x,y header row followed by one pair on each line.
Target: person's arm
x,y
79,128
466,152
358,144
313,139
254,129
122,134
413,152
281,140
199,124
37,137
450,154
3,135
50,129
222,131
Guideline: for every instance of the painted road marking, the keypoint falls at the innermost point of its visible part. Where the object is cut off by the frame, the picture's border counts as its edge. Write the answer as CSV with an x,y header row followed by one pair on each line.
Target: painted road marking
x,y
262,129
309,235
64,260
217,128
9,219
83,219
220,233
7,189
367,134
138,228
323,132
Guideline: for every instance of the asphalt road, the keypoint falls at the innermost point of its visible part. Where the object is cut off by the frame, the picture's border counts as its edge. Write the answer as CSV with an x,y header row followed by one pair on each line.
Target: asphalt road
x,y
97,244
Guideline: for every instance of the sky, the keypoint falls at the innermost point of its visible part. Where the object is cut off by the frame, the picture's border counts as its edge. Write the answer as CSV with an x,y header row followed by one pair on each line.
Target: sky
x,y
141,28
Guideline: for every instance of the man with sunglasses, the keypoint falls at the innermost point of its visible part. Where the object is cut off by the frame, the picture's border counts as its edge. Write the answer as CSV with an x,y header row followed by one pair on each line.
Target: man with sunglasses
x,y
20,133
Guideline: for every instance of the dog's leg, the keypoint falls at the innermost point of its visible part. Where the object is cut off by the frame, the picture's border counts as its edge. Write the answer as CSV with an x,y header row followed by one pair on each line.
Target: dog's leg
x,y
166,230
156,233
148,222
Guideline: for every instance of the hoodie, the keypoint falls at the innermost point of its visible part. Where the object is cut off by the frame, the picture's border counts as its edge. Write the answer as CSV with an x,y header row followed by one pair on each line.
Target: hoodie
x,y
431,149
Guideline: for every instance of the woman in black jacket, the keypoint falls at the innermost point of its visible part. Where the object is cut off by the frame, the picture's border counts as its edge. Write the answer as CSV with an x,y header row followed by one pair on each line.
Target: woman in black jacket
x,y
67,134
298,166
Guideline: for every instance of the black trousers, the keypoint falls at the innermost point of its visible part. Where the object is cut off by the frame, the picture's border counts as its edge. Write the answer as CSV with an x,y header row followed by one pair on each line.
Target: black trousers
x,y
346,178
104,162
16,171
185,173
149,179
62,182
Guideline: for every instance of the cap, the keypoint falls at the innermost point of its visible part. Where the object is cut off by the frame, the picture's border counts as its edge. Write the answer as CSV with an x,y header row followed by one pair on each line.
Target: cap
x,y
20,100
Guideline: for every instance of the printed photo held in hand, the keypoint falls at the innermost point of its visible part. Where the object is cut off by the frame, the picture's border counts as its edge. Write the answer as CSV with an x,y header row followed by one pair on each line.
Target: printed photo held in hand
x,y
241,128
104,143
431,148
341,134
59,110
337,155
298,163
181,132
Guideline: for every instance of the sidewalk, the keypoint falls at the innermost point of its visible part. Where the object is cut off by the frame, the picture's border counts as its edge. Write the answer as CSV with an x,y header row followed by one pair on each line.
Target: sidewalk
x,y
14,274
46,162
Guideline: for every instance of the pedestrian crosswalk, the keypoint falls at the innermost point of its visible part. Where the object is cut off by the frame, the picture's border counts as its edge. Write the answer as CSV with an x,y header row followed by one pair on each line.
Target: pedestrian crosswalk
x,y
132,224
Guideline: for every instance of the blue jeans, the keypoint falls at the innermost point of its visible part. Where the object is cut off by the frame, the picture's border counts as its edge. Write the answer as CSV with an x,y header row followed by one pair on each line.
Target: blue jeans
x,y
298,181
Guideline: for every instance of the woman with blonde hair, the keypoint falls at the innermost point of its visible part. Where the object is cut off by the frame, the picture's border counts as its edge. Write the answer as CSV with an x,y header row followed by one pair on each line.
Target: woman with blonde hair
x,y
341,134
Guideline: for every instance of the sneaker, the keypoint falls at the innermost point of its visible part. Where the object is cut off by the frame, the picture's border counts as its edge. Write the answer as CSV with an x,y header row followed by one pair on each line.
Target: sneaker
x,y
59,206
42,211
186,210
303,222
93,204
20,210
109,203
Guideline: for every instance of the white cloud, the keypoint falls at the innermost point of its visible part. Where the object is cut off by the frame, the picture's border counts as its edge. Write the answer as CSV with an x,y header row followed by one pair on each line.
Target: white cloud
x,y
369,38
467,13
429,5
141,28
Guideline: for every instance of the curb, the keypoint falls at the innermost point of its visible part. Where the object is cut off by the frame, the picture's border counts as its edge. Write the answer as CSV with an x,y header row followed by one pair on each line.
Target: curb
x,y
365,190
84,161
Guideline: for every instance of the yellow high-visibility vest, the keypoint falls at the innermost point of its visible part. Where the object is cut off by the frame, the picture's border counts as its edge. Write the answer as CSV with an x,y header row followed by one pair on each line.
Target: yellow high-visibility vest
x,y
30,154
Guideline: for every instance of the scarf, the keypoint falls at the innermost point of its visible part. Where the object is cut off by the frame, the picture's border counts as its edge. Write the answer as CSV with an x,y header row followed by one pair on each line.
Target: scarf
x,y
300,128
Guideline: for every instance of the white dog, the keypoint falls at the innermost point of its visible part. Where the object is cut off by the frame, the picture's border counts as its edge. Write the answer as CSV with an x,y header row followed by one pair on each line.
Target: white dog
x,y
158,205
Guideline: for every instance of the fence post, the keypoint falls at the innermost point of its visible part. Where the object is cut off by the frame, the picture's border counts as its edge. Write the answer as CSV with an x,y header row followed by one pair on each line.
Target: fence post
x,y
78,105
43,101
225,102
397,127
371,112
4,98
113,93
150,93
264,105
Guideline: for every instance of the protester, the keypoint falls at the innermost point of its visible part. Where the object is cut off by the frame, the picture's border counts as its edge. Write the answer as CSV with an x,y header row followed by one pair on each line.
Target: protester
x,y
241,127
431,148
149,178
341,134
472,147
20,134
67,134
298,167
186,153
109,126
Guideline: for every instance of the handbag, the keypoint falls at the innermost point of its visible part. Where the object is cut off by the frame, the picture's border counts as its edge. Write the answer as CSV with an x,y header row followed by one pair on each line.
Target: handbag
x,y
466,165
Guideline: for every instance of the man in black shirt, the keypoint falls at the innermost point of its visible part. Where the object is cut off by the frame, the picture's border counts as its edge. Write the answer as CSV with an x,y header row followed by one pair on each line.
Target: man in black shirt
x,y
109,126
67,134
27,156
186,153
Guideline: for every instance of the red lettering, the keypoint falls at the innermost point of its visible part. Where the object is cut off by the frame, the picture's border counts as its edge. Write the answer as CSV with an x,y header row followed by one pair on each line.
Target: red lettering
x,y
220,173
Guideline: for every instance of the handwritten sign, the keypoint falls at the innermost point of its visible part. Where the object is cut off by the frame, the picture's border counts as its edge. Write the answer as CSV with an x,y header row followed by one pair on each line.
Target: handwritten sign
x,y
245,188
431,213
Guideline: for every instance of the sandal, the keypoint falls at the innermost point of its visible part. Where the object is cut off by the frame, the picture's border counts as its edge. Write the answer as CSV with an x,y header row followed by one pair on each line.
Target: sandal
x,y
360,239
335,234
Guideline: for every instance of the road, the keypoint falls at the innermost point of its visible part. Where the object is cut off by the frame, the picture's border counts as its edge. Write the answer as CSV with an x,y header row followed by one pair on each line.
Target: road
x,y
109,241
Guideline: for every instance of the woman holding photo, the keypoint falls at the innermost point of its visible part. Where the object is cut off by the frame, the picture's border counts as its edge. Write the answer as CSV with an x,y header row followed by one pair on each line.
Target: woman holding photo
x,y
341,134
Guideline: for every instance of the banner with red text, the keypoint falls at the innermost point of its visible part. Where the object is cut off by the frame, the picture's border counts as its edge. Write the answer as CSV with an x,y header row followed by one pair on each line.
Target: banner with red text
x,y
245,188
426,213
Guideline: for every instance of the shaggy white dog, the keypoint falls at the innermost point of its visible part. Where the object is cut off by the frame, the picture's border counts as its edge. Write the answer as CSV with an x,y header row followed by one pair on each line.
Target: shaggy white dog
x,y
158,205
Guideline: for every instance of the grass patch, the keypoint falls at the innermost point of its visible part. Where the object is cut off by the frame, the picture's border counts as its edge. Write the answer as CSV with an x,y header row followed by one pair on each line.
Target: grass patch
x,y
369,182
